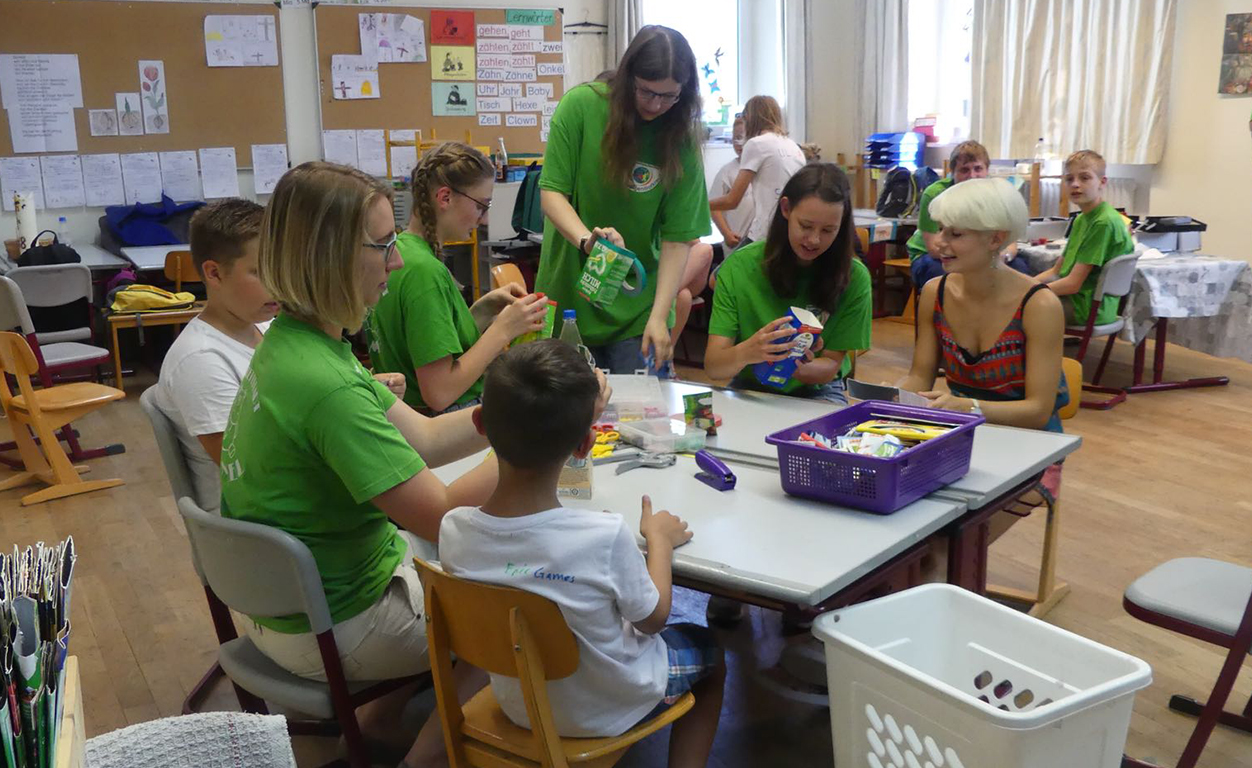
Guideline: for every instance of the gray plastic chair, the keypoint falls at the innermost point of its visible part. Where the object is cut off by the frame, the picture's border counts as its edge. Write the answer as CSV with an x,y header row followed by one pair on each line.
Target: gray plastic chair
x,y
168,444
1116,279
56,285
259,570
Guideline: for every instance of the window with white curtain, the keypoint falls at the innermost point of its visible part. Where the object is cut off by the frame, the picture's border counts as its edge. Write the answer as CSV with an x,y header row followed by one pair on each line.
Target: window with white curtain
x,y
712,29
940,79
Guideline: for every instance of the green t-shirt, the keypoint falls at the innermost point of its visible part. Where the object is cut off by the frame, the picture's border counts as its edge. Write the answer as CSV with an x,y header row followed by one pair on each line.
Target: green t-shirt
x,y
308,444
745,301
1097,236
917,244
420,319
645,214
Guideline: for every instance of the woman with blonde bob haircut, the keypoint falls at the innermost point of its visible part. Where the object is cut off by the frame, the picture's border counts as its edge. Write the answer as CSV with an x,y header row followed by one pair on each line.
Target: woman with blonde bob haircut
x,y
318,448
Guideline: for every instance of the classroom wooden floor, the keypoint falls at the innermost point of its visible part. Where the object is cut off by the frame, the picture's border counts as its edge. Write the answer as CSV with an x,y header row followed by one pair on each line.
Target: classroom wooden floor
x,y
1163,475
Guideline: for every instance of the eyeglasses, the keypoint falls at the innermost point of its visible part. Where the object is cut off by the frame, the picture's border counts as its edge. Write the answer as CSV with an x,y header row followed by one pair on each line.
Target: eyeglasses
x,y
386,248
482,207
647,95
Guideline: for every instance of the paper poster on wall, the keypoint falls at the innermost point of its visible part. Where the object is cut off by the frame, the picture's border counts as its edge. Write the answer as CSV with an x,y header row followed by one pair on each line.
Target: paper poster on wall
x,y
451,62
522,60
493,61
403,161
34,128
241,41
41,92
512,90
371,152
529,16
353,77
519,74
521,121
552,46
500,46
543,136
540,90
392,38
493,74
545,122
551,70
525,46
103,122
525,32
487,89
527,105
451,100
493,30
156,108
549,108
102,180
219,172
141,176
495,104
269,163
62,181
339,147
129,118
180,175
488,120
404,134
20,174
451,27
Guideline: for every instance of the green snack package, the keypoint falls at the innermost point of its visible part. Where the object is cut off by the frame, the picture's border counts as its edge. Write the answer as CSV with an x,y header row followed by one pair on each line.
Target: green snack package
x,y
549,323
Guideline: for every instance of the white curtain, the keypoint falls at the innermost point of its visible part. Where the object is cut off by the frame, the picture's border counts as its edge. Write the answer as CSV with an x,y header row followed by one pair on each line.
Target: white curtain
x,y
796,66
624,22
1082,74
883,66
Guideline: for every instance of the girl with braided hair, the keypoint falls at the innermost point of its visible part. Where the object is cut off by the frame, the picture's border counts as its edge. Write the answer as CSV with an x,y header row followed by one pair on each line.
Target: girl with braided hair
x,y
422,327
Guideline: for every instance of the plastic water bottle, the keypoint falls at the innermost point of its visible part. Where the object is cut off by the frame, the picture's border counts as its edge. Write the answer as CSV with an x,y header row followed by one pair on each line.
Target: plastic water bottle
x,y
569,329
1041,151
502,162
63,231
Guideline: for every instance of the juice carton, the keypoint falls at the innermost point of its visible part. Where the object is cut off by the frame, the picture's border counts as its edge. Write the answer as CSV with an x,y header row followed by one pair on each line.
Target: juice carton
x,y
807,328
604,274
549,323
575,479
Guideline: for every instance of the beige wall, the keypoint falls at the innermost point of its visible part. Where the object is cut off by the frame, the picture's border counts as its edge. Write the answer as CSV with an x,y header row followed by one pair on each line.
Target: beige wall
x,y
831,86
1208,151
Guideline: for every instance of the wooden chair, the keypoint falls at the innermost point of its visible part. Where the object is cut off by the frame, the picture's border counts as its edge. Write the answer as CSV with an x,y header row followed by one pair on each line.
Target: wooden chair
x,y
1050,591
1209,600
506,273
909,315
1116,279
42,412
507,631
181,269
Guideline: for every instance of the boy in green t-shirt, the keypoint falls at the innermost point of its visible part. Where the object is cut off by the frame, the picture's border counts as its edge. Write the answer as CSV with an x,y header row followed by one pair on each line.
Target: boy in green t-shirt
x,y
969,160
1098,235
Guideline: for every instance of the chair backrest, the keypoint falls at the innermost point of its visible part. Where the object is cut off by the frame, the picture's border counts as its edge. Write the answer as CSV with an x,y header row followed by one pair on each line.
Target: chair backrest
x,y
502,630
506,273
255,569
1071,373
17,360
1116,277
168,444
13,311
57,285
181,269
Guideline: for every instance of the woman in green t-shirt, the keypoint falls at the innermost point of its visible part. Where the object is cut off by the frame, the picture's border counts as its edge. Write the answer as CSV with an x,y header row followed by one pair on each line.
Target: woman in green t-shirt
x,y
316,447
421,327
623,163
806,260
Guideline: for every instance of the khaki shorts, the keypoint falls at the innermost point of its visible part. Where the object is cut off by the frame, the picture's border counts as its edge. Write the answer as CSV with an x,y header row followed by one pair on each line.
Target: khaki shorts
x,y
386,640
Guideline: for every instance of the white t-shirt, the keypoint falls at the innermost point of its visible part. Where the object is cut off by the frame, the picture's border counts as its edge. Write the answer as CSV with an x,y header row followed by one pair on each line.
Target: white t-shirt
x,y
774,159
740,218
197,385
589,565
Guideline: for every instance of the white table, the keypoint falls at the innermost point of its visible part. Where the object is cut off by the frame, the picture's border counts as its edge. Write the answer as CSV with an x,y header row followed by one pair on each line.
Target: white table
x,y
100,260
150,257
1002,458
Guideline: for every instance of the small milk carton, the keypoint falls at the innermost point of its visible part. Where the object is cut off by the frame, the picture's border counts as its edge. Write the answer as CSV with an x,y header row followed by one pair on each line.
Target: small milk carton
x,y
807,328
575,479
605,271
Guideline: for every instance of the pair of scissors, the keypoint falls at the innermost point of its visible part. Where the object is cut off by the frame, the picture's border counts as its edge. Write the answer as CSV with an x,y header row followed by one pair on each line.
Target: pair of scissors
x,y
654,460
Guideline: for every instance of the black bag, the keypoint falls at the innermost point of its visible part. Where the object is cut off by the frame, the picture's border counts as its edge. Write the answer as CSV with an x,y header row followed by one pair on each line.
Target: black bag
x,y
527,212
54,253
899,193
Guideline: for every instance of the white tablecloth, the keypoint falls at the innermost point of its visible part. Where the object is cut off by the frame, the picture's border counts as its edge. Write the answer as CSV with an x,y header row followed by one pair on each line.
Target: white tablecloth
x,y
1207,299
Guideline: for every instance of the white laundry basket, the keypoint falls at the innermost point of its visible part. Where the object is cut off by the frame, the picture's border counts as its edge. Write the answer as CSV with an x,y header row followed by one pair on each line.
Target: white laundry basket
x,y
938,677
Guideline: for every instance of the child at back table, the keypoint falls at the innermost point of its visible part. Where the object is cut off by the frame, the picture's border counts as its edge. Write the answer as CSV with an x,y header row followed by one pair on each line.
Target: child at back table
x,y
539,401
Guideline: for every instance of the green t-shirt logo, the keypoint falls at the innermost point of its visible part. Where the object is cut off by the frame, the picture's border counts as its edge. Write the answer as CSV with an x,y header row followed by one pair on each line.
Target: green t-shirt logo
x,y
644,177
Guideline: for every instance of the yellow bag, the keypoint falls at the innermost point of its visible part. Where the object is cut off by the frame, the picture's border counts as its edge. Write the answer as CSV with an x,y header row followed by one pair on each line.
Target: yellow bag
x,y
148,298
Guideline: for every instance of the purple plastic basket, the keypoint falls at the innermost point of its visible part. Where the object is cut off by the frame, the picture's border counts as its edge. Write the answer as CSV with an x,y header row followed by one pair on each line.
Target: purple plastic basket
x,y
870,483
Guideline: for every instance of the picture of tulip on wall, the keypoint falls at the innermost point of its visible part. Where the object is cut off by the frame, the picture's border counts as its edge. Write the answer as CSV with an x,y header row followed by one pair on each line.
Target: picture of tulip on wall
x,y
1236,77
156,113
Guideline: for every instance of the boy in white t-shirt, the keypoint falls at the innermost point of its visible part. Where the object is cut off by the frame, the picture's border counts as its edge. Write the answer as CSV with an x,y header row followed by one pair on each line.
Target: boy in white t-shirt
x,y
203,367
538,405
734,223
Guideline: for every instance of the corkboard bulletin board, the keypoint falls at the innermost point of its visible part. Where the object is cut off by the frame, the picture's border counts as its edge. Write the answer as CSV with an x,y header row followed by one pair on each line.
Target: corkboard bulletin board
x,y
405,89
208,106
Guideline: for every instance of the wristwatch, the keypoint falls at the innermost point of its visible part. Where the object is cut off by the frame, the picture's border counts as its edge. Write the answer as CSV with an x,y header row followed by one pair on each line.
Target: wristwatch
x,y
974,407
582,244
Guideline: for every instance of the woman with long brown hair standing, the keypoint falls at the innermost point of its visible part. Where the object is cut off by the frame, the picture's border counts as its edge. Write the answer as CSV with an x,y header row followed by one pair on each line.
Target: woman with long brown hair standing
x,y
623,164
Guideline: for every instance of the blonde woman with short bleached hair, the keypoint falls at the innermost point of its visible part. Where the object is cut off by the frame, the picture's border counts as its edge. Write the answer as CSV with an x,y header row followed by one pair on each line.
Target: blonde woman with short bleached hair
x,y
318,448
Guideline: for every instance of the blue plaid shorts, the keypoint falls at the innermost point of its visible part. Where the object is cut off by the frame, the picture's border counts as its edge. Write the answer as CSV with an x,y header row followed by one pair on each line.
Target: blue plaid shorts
x,y
693,654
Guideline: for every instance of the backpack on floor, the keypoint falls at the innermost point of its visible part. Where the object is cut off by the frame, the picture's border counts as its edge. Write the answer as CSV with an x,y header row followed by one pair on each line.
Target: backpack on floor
x,y
899,193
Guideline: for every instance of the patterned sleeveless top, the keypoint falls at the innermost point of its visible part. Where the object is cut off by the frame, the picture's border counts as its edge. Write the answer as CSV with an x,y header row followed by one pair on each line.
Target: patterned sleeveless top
x,y
999,372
